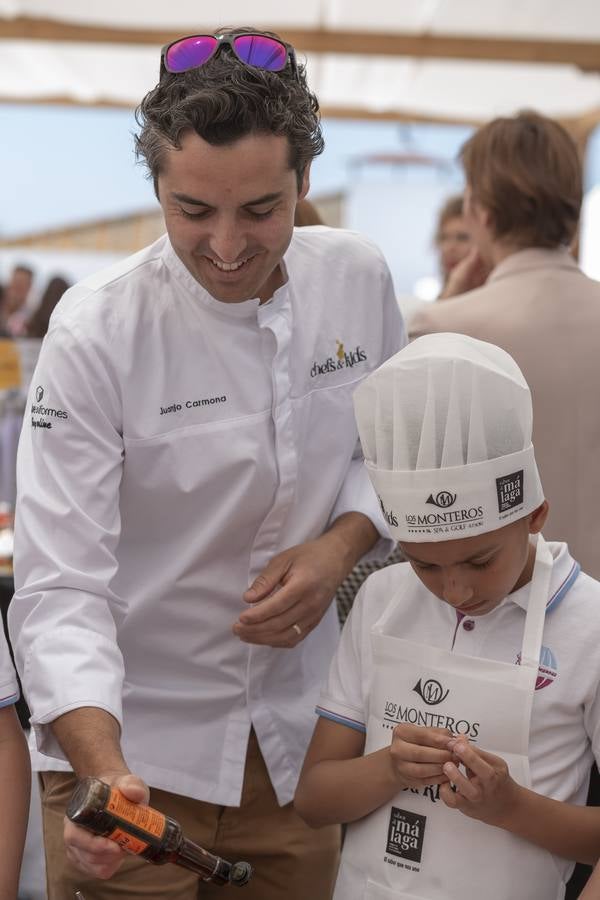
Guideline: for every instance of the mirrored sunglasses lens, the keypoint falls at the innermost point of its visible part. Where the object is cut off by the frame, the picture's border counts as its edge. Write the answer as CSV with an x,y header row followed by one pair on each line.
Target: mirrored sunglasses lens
x,y
189,53
262,52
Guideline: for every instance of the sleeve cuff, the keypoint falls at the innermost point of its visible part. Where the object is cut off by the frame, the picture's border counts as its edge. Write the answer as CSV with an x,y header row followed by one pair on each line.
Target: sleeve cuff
x,y
341,714
8,697
44,739
66,669
357,495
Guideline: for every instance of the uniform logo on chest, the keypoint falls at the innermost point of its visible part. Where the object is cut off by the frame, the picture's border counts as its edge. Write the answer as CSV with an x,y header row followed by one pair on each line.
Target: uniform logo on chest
x,y
431,691
548,668
343,359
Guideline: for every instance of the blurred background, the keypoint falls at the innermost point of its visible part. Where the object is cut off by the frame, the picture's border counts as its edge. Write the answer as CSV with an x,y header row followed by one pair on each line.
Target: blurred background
x,y
401,86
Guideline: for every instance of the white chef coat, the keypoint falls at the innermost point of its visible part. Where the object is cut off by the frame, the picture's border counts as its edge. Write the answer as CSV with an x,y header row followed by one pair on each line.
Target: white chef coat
x,y
173,444
9,687
565,720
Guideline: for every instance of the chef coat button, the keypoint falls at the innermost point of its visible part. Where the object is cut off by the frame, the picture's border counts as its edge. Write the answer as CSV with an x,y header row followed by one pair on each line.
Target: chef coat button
x,y
468,624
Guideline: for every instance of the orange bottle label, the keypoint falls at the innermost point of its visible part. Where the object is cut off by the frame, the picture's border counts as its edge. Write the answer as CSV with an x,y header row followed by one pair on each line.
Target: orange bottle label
x,y
127,841
143,817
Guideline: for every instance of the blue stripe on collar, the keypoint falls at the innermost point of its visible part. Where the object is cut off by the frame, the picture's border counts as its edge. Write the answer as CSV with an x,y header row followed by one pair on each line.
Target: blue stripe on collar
x,y
564,588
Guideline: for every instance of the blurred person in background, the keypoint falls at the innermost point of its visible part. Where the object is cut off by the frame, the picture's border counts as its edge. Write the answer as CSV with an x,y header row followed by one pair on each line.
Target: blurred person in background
x,y
14,301
522,203
452,242
3,330
37,325
307,214
453,239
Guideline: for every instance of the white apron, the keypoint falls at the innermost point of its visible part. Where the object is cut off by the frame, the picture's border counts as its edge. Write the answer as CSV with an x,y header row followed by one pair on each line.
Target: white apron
x,y
415,847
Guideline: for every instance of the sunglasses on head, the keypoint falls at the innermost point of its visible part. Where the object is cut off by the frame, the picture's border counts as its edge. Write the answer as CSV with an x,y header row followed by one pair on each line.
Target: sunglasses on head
x,y
251,47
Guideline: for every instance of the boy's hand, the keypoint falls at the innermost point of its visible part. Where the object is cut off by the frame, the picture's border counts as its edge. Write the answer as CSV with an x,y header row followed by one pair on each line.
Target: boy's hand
x,y
418,754
486,792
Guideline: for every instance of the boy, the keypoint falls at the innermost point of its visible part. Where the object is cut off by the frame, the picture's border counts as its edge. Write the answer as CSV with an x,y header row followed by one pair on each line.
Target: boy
x,y
15,778
457,700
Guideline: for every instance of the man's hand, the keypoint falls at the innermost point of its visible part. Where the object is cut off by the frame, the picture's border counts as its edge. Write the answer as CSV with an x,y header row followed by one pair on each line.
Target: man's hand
x,y
419,755
486,792
292,593
470,273
95,855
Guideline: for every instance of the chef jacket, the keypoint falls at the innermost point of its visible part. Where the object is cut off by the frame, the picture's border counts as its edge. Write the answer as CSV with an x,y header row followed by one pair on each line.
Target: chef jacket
x,y
565,719
173,444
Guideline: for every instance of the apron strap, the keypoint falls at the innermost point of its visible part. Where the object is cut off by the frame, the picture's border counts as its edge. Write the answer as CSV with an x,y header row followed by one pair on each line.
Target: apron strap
x,y
539,592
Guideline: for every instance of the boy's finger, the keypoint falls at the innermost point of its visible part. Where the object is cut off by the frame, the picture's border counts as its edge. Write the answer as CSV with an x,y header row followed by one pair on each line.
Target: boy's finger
x,y
420,772
463,785
478,761
425,737
413,753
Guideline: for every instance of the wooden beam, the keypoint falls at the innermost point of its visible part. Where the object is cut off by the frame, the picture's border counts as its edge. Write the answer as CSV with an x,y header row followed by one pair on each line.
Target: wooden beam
x,y
582,125
393,115
66,100
583,54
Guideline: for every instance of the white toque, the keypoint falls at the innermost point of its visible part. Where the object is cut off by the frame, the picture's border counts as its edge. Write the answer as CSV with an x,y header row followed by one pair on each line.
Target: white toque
x,y
445,427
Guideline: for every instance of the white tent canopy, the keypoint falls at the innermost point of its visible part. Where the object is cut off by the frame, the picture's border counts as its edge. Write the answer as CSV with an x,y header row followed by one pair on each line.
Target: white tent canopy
x,y
444,60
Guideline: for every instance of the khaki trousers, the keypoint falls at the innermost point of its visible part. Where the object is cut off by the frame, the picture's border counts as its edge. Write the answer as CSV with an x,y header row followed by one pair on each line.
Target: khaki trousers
x,y
290,860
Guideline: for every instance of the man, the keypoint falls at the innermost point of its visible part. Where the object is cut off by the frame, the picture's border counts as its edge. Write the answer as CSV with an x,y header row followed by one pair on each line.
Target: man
x,y
522,205
191,489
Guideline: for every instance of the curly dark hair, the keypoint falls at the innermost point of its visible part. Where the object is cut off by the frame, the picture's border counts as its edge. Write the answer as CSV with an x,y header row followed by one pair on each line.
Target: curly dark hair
x,y
225,100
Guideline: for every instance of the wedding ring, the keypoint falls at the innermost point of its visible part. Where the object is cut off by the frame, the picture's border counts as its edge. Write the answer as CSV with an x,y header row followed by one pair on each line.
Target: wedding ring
x,y
297,629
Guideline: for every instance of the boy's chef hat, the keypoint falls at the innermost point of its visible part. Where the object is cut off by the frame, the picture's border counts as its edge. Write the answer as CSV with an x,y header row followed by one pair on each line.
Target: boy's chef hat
x,y
445,427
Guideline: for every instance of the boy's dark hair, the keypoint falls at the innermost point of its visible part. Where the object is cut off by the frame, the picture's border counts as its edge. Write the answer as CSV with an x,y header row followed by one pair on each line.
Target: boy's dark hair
x,y
526,172
225,100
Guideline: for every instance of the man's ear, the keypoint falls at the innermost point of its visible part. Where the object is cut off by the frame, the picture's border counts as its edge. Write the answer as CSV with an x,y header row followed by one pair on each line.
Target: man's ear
x,y
305,186
537,519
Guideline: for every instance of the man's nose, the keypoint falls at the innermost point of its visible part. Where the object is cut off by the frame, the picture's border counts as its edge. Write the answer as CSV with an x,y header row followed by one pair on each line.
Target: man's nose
x,y
456,591
227,241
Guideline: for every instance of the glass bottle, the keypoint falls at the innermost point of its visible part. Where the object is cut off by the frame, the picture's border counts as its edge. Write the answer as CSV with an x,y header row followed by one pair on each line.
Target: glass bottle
x,y
146,832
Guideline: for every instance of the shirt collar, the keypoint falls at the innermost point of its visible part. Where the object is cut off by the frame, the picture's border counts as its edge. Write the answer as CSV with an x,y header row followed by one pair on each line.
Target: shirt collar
x,y
244,310
533,258
564,574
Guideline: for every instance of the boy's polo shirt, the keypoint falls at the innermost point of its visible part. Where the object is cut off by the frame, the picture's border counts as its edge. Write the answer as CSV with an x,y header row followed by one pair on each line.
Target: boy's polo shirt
x,y
9,688
565,722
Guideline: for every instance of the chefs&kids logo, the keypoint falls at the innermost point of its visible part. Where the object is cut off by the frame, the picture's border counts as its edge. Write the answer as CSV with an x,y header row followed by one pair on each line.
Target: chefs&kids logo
x,y
388,515
344,359
510,491
406,831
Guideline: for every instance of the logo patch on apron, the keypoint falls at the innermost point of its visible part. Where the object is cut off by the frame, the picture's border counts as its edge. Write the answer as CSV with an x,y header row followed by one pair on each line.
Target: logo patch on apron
x,y
405,834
